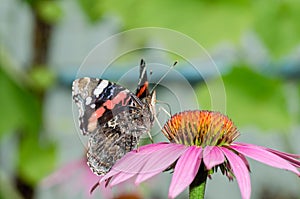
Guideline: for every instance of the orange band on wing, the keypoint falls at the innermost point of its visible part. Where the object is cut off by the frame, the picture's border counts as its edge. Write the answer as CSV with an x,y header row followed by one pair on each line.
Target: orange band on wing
x,y
142,90
109,104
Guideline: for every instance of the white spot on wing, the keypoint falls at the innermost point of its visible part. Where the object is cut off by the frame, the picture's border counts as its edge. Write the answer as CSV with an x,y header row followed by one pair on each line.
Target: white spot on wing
x,y
75,89
88,100
103,84
92,126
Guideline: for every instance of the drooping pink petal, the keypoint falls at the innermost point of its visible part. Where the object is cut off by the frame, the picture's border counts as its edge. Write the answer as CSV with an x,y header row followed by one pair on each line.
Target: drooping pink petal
x,y
297,156
151,147
284,153
245,161
143,152
105,192
291,158
264,156
240,171
287,156
132,162
185,170
76,176
63,173
120,177
212,156
159,161
155,162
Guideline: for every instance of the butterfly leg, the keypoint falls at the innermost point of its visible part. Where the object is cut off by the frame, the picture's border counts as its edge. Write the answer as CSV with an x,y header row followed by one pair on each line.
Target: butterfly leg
x,y
163,109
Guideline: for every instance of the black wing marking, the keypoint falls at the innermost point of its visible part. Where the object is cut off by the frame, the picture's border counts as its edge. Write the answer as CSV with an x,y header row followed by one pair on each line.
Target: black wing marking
x,y
142,88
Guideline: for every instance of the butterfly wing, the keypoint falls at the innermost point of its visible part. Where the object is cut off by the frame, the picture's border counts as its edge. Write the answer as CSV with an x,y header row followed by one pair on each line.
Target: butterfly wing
x,y
117,137
112,117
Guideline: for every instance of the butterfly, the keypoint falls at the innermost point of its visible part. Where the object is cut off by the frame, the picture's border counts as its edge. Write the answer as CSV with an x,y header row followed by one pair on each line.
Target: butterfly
x,y
112,117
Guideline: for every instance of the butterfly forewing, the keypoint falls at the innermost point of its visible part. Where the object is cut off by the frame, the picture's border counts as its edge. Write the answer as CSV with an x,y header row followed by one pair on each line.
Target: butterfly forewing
x,y
99,101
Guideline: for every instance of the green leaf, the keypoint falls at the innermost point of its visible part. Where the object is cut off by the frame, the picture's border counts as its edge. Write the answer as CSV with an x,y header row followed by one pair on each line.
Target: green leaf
x,y
20,108
298,110
49,11
93,9
31,2
7,188
252,99
42,78
36,159
277,23
212,22
203,21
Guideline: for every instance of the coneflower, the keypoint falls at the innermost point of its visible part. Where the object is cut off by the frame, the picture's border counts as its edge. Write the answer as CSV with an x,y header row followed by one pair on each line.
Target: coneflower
x,y
201,142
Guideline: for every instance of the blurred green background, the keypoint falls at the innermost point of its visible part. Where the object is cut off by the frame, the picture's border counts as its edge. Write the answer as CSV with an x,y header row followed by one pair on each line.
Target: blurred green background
x,y
255,44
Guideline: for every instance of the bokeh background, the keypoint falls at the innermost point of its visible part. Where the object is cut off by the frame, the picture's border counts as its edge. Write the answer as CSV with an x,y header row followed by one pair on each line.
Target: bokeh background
x,y
256,48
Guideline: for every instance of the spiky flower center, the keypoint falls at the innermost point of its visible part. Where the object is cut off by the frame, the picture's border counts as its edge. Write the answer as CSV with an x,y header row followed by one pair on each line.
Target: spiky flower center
x,y
200,128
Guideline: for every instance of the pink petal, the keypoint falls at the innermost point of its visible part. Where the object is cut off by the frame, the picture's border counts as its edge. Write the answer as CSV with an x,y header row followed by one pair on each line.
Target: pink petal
x,y
88,178
185,170
138,157
64,173
212,156
245,161
291,158
284,153
147,162
287,156
159,160
297,156
240,171
262,155
105,192
120,177
125,165
151,147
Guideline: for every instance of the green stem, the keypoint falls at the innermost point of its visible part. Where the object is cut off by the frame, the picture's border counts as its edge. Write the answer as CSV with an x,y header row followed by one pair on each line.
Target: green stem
x,y
197,187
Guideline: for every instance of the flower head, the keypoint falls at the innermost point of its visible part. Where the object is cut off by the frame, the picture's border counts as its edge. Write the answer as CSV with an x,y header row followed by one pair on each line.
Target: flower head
x,y
200,128
198,138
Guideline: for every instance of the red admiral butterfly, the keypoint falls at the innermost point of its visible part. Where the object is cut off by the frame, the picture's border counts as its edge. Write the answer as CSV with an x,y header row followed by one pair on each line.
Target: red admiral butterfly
x,y
113,117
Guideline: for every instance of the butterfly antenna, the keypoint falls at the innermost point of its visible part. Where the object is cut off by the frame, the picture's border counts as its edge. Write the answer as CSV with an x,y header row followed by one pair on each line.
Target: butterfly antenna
x,y
150,137
174,64
150,75
158,123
